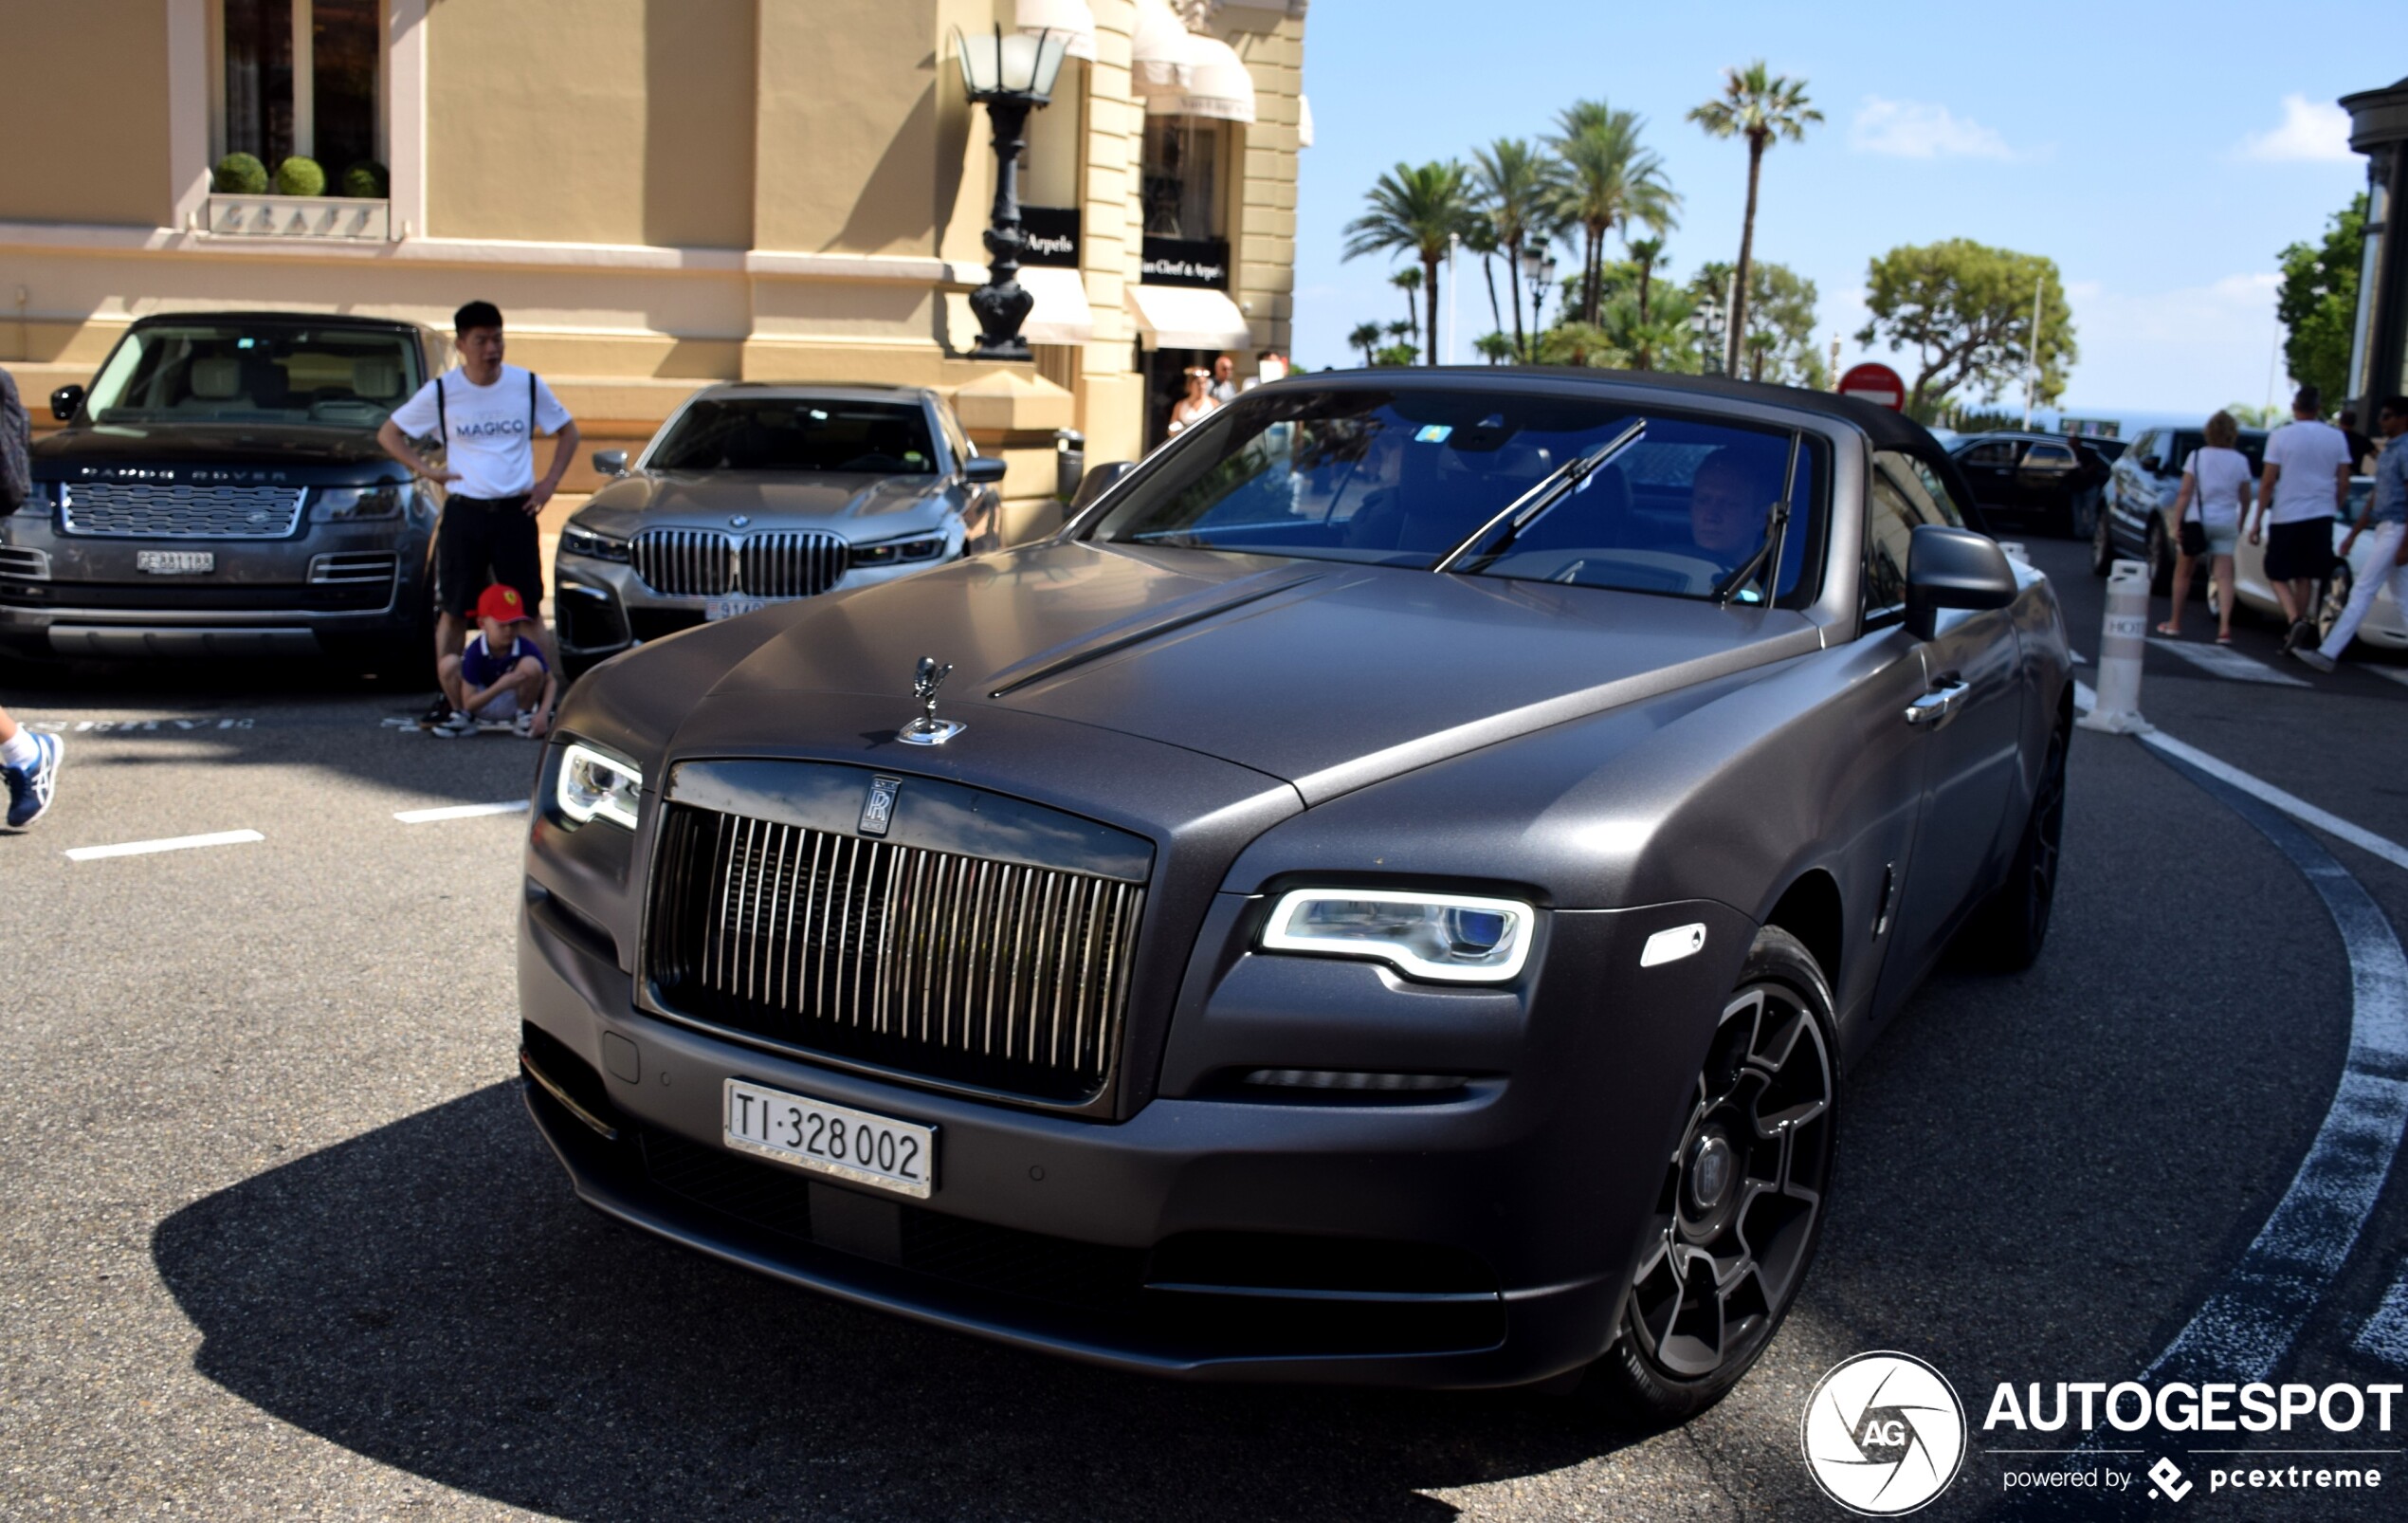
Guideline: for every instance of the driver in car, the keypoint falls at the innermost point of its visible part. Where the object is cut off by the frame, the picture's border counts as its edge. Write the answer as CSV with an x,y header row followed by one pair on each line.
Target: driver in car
x,y
1729,502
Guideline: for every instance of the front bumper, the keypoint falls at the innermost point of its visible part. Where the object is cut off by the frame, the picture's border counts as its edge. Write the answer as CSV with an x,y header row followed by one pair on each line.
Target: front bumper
x,y
601,608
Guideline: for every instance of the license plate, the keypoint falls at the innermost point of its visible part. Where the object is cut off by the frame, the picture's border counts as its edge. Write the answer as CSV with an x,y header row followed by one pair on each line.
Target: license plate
x,y
831,1139
720,608
175,562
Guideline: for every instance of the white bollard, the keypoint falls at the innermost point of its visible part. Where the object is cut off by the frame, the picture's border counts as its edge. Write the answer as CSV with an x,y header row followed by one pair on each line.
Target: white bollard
x,y
2123,638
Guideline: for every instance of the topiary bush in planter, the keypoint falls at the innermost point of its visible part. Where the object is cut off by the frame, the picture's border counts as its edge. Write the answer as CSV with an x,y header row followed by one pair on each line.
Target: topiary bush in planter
x,y
239,175
366,180
300,176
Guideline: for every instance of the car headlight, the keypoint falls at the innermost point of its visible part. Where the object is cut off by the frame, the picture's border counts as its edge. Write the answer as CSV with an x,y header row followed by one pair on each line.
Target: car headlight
x,y
922,548
346,505
597,785
1453,937
593,543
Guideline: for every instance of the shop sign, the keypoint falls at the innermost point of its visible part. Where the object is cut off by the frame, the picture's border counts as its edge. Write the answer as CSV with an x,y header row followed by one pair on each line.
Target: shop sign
x,y
1051,234
1186,262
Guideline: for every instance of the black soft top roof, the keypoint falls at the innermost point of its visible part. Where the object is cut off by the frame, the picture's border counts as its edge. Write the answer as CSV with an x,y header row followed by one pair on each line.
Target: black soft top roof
x,y
312,320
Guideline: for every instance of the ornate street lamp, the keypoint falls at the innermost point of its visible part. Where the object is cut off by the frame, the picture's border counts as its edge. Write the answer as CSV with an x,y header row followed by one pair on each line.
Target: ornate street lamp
x,y
1009,74
1538,268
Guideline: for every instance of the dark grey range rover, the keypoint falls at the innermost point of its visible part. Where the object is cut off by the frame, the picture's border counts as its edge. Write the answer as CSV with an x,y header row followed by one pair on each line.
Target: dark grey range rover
x,y
219,491
1387,895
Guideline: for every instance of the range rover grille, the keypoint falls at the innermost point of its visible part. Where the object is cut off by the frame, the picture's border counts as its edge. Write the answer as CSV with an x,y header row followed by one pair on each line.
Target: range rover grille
x,y
707,563
168,510
988,973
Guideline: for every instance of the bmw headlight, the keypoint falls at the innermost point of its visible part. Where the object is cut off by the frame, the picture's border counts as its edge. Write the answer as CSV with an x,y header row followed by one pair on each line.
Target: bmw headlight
x,y
347,505
921,547
593,543
597,785
1453,937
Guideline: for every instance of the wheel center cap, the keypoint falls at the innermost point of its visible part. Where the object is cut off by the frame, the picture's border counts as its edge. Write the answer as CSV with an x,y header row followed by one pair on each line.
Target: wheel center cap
x,y
1709,1173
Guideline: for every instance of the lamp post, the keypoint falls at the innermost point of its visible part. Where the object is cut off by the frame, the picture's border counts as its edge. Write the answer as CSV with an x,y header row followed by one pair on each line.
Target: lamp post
x,y
1010,75
1707,321
1538,268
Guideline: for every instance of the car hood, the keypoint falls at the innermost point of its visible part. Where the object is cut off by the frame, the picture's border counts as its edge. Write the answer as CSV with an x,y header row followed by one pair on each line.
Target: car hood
x,y
1326,674
300,454
859,506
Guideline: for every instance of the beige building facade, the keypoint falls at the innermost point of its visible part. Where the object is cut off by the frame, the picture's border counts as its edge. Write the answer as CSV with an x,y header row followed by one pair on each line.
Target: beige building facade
x,y
659,194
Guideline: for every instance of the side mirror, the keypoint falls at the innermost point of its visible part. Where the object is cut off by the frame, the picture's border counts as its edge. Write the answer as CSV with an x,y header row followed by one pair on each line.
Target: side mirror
x,y
610,461
1953,568
66,402
1099,480
983,471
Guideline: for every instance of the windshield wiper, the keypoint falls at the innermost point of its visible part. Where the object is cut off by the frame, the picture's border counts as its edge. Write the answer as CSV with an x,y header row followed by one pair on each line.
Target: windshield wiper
x,y
1776,527
1532,505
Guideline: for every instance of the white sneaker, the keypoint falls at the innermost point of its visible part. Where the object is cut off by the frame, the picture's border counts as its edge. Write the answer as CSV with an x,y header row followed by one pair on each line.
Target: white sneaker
x,y
454,728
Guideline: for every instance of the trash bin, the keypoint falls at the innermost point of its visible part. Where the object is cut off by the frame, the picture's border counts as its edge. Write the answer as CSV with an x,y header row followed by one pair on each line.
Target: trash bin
x,y
1069,462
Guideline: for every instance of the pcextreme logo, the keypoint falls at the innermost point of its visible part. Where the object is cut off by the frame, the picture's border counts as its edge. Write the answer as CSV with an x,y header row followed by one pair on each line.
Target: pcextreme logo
x,y
1883,1433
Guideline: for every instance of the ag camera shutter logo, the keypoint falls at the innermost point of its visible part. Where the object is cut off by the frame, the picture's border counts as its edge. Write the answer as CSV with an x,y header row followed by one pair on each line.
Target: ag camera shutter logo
x,y
1883,1433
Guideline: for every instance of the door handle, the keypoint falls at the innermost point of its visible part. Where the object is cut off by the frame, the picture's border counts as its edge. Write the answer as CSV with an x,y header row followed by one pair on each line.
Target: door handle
x,y
1938,706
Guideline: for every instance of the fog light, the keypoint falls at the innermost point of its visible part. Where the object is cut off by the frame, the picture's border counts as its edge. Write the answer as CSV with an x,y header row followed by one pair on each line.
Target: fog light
x,y
1325,1078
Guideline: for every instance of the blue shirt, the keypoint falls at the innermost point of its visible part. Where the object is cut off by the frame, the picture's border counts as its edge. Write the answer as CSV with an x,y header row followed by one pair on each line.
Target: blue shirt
x,y
480,668
2391,483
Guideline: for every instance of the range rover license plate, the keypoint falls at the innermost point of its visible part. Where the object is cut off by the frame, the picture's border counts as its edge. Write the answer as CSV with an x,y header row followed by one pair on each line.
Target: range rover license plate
x,y
720,608
831,1139
175,562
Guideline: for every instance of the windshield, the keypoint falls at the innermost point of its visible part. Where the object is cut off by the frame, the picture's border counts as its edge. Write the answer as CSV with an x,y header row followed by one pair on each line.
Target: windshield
x,y
797,433
1403,477
218,372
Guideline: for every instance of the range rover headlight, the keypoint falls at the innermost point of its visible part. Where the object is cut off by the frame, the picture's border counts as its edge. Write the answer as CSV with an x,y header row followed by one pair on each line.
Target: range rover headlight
x,y
597,785
593,543
347,505
1457,938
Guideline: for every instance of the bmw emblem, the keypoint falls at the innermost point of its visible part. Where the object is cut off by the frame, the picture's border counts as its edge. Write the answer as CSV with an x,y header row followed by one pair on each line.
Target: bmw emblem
x,y
739,520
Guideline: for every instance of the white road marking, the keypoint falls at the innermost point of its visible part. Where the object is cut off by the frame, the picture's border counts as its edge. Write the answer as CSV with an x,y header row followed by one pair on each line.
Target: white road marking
x,y
2223,661
2079,659
172,843
2292,804
428,817
2385,1335
2398,674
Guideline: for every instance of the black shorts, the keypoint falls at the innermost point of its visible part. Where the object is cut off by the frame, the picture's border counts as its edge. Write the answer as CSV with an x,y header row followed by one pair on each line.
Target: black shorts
x,y
484,541
2300,551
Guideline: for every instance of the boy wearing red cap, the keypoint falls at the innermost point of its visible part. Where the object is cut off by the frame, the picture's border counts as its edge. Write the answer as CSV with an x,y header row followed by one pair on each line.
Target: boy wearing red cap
x,y
498,679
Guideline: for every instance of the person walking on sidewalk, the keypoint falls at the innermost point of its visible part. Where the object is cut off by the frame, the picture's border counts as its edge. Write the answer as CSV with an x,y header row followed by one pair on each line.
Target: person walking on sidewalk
x,y
29,762
2207,519
2387,557
2303,490
485,415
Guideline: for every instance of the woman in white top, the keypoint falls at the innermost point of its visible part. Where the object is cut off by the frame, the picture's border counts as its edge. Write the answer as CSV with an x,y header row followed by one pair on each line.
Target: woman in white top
x,y
1198,402
2207,521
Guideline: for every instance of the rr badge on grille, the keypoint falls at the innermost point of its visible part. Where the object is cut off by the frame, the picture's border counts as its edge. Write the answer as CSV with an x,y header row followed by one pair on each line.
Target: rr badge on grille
x,y
878,810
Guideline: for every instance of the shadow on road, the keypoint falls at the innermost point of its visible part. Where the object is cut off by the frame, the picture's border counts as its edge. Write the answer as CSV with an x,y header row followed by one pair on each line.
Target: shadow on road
x,y
430,1297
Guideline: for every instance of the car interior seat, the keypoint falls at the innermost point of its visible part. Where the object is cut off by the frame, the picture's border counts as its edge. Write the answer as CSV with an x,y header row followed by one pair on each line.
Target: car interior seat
x,y
215,379
376,378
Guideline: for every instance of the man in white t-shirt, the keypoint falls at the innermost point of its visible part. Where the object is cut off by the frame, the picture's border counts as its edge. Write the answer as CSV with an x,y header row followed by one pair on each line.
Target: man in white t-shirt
x,y
484,416
2306,484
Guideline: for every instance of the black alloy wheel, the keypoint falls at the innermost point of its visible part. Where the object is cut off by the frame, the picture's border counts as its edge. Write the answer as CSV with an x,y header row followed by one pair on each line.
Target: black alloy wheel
x,y
2102,545
1742,1204
2008,931
2336,598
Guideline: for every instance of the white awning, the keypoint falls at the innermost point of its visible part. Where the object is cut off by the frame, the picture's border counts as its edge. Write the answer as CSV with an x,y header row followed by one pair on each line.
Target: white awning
x,y
1183,316
1159,52
1068,16
1062,314
1217,85
1304,122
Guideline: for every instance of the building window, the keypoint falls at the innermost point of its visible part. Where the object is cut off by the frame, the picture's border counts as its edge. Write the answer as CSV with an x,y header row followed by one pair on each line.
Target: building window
x,y
302,77
1183,177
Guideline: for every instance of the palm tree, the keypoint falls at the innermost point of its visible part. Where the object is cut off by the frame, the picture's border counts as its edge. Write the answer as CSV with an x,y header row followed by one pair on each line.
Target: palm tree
x,y
1609,179
1366,338
1416,211
1408,280
1480,237
1518,185
1760,106
1644,253
1495,348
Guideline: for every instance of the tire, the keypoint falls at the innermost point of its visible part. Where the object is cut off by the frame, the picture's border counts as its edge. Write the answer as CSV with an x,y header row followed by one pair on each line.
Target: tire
x,y
2008,931
2159,557
1715,1276
2101,546
2336,598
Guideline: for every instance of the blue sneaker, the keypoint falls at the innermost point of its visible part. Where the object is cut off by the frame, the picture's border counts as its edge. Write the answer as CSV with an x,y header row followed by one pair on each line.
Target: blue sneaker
x,y
29,788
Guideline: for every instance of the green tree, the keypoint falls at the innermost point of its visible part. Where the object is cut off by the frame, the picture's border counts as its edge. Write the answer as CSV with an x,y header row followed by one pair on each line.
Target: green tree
x,y
1397,353
1966,309
1644,253
1496,348
1658,336
1610,179
1517,187
2271,415
1408,280
1480,237
1581,344
2318,302
1762,107
1780,337
1366,338
1415,211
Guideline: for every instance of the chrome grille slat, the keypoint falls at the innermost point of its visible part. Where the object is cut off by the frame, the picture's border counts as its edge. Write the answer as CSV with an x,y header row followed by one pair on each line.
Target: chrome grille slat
x,y
997,974
179,510
712,563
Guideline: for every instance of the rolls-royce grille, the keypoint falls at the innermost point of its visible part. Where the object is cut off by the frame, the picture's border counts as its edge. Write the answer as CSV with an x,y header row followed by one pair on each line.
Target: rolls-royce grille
x,y
707,563
180,512
996,974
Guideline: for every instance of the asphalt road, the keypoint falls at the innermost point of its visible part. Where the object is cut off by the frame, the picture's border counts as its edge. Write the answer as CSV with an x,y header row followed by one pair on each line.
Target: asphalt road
x,y
277,1240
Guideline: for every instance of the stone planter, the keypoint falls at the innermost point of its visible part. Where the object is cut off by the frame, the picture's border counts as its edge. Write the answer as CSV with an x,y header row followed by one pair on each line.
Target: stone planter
x,y
330,217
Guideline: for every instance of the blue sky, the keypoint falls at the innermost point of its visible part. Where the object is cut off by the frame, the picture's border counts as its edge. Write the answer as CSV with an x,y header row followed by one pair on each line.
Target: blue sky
x,y
2161,154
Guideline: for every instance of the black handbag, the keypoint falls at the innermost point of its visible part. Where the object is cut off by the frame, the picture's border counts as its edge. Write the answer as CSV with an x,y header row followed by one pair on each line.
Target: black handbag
x,y
2190,536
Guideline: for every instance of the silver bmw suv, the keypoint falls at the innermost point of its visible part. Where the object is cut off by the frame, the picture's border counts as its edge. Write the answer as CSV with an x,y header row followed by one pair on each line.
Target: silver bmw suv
x,y
755,493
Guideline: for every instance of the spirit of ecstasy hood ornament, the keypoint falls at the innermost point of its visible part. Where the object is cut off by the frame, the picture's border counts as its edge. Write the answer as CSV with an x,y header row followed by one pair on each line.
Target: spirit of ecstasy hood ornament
x,y
928,729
